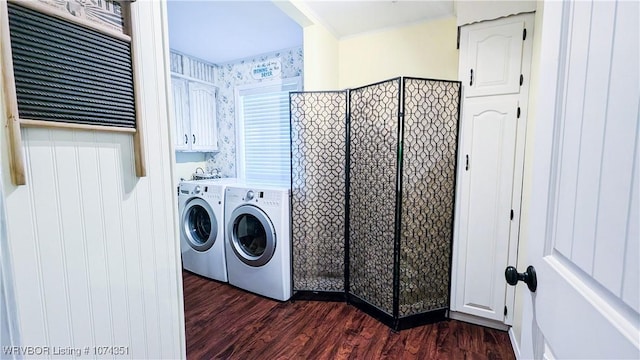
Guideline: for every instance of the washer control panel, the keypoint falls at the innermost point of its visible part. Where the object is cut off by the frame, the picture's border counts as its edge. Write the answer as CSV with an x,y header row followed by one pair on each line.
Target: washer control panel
x,y
201,190
262,197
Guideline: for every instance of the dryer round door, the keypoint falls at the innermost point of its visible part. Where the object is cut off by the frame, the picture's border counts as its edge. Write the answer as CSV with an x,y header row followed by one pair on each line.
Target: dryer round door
x,y
252,235
199,224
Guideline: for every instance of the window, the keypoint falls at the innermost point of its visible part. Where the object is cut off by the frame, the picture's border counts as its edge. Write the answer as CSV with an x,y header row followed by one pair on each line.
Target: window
x,y
264,153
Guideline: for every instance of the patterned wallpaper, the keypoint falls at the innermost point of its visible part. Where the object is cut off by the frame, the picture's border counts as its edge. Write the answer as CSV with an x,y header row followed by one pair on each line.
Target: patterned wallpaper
x,y
237,73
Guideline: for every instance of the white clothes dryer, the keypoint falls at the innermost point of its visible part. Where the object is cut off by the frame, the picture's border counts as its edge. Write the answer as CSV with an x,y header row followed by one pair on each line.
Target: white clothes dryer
x,y
201,211
258,240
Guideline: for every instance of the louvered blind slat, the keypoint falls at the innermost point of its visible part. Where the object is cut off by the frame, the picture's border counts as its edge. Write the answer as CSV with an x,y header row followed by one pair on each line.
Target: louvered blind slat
x,y
266,135
68,73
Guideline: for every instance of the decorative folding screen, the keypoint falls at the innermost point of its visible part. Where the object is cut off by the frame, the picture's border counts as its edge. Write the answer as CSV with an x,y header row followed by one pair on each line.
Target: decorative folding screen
x,y
374,121
400,151
318,142
429,155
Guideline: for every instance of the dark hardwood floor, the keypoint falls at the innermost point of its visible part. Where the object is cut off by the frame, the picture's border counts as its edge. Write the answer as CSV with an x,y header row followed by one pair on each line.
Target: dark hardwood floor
x,y
223,322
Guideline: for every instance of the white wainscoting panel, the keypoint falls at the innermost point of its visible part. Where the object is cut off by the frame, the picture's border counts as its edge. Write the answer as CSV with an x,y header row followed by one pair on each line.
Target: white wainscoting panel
x,y
93,249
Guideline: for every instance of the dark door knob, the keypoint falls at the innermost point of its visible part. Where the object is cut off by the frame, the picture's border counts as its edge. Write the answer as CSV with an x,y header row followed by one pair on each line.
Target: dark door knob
x,y
529,277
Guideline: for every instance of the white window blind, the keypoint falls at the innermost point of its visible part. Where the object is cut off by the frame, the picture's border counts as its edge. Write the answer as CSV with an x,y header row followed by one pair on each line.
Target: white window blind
x,y
265,153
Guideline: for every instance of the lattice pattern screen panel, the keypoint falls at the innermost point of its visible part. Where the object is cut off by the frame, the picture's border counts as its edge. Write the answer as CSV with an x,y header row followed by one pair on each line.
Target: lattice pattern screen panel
x,y
372,192
428,188
318,155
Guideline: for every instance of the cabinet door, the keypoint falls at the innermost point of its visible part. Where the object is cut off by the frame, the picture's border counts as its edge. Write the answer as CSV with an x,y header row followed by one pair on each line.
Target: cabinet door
x,y
202,111
180,113
494,58
486,185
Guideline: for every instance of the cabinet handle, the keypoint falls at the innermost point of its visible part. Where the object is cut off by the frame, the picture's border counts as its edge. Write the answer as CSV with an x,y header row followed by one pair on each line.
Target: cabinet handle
x,y
186,139
194,138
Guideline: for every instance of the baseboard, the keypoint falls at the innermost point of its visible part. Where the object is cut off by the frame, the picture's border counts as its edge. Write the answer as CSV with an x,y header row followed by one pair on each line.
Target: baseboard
x,y
514,344
478,320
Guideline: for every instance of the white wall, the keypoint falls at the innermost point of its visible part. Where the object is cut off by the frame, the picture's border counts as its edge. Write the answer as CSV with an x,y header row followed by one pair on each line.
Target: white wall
x,y
426,49
187,163
321,54
93,249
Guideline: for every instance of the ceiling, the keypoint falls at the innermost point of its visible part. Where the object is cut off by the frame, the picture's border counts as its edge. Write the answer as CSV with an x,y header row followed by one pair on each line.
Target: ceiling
x,y
346,18
224,31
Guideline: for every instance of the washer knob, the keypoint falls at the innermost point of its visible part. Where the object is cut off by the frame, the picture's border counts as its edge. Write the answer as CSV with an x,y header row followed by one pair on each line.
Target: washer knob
x,y
250,195
197,189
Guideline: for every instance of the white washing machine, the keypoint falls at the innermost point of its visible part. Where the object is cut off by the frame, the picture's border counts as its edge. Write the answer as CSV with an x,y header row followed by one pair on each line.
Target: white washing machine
x,y
258,240
201,209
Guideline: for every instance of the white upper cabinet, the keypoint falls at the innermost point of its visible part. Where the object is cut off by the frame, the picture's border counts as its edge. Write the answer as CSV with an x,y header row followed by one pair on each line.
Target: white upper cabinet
x,y
494,58
181,113
194,107
202,116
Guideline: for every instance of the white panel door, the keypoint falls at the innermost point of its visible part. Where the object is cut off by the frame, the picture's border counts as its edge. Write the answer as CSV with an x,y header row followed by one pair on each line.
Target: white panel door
x,y
202,111
486,185
494,57
180,113
584,237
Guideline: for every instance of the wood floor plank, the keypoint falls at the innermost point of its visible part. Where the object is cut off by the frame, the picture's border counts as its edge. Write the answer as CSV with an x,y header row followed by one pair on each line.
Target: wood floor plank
x,y
223,322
